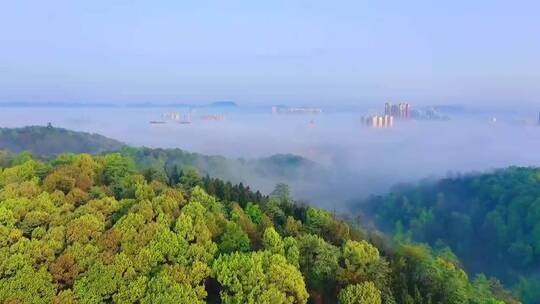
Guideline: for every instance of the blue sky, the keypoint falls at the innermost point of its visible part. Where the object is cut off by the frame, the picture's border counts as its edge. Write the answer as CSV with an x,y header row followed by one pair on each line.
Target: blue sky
x,y
305,52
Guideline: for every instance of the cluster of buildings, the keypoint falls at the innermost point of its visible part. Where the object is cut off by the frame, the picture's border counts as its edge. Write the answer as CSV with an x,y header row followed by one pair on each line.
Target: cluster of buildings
x,y
399,110
378,121
178,117
187,118
298,110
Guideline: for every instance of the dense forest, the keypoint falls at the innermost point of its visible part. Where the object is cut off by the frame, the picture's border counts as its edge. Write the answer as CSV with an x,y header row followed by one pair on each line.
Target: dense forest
x,y
491,221
93,229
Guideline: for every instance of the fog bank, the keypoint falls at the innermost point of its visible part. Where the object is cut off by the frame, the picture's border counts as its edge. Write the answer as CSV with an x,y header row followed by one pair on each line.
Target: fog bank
x,y
358,160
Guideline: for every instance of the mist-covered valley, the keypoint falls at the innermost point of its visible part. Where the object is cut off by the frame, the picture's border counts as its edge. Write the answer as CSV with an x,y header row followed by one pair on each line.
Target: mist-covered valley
x,y
353,160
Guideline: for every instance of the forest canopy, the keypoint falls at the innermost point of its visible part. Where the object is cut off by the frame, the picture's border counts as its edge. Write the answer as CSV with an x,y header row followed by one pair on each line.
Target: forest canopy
x,y
491,221
92,229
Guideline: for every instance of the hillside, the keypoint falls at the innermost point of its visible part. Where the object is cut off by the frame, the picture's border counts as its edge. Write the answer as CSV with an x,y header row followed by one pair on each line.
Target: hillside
x,y
91,229
48,141
262,173
491,221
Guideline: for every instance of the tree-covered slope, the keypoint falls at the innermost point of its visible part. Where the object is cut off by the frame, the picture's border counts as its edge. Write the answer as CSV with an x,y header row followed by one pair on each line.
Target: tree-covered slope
x,y
491,221
260,172
91,229
47,141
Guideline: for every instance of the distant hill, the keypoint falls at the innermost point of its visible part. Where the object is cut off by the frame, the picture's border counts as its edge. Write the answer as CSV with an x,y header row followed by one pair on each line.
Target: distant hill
x,y
217,104
223,104
48,141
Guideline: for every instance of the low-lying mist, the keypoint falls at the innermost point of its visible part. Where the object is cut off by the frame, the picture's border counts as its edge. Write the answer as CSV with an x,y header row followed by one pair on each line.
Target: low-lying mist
x,y
356,160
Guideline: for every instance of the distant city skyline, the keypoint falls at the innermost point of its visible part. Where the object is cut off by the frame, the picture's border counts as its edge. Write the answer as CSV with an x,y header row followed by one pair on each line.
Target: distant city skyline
x,y
263,53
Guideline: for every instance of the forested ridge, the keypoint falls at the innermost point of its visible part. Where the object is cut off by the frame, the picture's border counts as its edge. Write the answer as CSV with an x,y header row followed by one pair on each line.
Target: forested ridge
x,y
46,142
491,221
91,229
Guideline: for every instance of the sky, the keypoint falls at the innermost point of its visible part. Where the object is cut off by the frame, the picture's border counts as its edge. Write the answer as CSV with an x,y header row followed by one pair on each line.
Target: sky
x,y
265,52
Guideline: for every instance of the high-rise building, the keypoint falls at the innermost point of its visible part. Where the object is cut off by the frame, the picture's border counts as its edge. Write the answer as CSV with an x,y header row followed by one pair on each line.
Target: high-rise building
x,y
378,121
399,111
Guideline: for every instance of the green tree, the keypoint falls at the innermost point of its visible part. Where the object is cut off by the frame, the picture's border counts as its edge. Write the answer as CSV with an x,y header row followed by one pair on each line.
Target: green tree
x,y
359,255
282,193
131,291
318,260
22,158
116,168
292,227
26,285
254,212
190,178
318,221
19,173
364,293
98,284
234,239
273,242
164,289
84,229
259,277
292,253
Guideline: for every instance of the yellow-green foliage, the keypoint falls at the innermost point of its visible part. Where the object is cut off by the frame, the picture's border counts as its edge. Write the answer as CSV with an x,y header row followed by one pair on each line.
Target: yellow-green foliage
x,y
90,229
365,293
